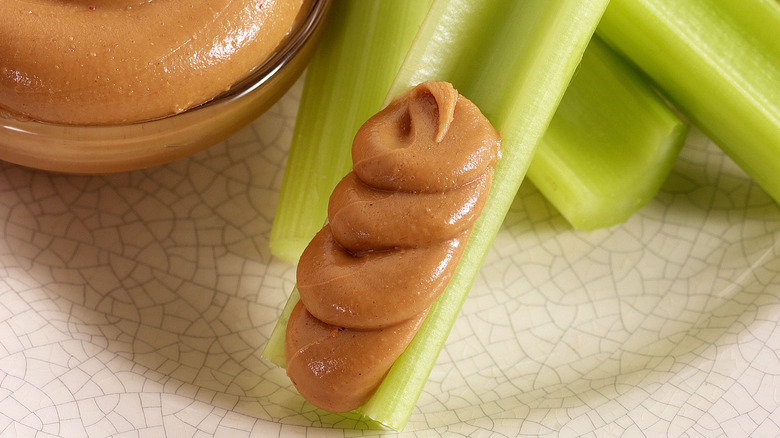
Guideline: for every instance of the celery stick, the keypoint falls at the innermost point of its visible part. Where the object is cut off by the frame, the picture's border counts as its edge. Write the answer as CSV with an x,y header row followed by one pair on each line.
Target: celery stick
x,y
514,59
719,63
610,145
519,94
363,45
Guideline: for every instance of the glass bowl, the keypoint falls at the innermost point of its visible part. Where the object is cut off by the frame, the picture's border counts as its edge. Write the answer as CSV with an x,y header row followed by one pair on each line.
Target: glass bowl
x,y
116,148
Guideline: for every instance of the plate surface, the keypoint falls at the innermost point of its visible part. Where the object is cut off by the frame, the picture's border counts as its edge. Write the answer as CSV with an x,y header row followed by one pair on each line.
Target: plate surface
x,y
136,304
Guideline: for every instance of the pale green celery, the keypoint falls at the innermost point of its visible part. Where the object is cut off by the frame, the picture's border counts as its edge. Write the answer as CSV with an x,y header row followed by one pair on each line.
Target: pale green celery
x,y
362,47
514,59
718,62
610,145
274,349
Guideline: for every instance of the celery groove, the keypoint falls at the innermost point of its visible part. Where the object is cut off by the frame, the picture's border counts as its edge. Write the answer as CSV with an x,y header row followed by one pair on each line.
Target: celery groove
x,y
345,84
719,63
610,145
467,43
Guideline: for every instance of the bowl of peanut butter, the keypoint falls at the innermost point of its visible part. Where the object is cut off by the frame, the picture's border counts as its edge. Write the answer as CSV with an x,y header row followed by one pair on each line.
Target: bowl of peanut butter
x,y
98,86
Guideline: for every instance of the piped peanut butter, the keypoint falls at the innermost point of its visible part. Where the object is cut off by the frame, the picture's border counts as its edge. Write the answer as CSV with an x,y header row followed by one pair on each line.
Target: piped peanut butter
x,y
397,227
120,61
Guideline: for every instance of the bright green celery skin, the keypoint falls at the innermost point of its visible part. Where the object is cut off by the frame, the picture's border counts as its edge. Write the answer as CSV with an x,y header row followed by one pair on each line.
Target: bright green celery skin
x,y
610,145
718,62
467,43
345,84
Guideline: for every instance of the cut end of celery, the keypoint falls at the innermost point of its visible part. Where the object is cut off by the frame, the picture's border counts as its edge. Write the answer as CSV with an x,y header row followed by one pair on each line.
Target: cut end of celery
x,y
589,206
610,145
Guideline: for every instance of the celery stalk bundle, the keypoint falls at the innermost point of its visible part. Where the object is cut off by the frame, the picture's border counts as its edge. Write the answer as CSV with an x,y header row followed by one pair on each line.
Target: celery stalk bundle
x,y
718,61
466,43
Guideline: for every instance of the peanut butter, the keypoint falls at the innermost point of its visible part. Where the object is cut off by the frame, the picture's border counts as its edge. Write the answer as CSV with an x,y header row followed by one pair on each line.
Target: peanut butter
x,y
397,227
118,61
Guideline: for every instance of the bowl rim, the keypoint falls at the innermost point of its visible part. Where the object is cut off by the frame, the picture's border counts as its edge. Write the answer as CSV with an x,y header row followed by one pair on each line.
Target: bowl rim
x,y
293,43
110,148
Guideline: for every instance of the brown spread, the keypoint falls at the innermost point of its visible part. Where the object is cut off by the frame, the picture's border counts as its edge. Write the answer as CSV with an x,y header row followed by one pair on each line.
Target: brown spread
x,y
118,61
397,226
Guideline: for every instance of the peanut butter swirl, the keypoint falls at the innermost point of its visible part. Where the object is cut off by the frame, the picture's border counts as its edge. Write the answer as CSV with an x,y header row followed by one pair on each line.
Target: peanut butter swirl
x,y
397,227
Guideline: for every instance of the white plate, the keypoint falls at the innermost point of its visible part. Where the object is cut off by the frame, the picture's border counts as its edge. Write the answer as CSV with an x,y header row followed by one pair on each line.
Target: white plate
x,y
136,304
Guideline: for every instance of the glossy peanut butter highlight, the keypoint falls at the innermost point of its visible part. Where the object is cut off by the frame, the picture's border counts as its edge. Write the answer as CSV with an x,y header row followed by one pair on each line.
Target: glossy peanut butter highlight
x,y
120,61
397,227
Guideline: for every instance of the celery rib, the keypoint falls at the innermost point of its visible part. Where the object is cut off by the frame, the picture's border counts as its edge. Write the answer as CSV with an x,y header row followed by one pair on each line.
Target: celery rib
x,y
718,62
519,94
610,145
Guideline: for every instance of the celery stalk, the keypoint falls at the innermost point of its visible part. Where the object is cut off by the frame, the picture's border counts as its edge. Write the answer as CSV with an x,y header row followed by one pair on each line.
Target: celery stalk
x,y
514,59
610,145
363,45
718,62
519,94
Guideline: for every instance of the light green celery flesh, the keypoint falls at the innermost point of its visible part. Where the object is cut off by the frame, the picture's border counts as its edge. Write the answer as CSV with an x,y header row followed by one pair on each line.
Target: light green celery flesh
x,y
345,84
610,145
719,63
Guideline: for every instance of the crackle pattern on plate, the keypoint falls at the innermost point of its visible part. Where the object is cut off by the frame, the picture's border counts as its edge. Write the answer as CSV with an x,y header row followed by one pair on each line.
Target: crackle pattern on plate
x,y
136,305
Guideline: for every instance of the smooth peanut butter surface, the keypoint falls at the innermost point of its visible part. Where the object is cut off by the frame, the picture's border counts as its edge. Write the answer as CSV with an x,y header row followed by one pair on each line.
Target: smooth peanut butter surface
x,y
119,61
397,227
